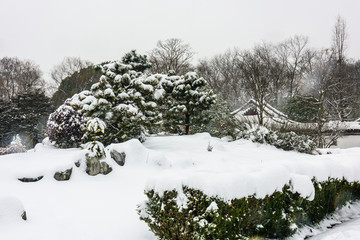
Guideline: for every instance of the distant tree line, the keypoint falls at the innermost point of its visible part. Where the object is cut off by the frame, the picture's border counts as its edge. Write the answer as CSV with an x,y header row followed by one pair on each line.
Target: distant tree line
x,y
310,85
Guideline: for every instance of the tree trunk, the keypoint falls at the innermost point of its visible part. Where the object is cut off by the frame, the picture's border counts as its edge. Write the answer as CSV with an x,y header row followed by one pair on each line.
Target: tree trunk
x,y
187,124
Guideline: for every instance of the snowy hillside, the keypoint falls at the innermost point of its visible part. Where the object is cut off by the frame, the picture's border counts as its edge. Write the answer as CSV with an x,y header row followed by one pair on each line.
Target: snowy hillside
x,y
104,207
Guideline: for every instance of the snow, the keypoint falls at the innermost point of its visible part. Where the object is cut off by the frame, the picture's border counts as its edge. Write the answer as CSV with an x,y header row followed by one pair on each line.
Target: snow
x,y
11,210
104,207
341,225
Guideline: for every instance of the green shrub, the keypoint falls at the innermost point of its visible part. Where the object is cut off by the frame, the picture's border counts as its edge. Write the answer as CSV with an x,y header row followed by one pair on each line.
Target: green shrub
x,y
192,214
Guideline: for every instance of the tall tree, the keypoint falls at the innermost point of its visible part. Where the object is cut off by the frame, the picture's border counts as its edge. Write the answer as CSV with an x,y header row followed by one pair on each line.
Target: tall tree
x,y
324,81
260,70
341,98
171,54
296,57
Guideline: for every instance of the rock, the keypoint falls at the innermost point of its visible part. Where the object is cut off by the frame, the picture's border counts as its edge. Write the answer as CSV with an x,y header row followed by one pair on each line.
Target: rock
x,y
77,164
105,168
93,166
25,179
119,158
23,216
63,176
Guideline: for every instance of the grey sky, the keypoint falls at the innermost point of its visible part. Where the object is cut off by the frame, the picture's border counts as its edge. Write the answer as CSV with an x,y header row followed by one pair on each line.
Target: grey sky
x,y
47,31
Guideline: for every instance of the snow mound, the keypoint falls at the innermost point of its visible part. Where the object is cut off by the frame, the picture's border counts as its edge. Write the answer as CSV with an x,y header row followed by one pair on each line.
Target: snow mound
x,y
11,210
139,156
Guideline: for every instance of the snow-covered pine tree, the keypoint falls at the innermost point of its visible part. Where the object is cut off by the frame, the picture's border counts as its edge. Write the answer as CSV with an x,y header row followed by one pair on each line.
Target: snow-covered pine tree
x,y
138,62
190,98
125,100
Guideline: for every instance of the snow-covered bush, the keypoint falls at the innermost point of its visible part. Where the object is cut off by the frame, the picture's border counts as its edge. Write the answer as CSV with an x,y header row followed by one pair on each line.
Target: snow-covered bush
x,y
254,132
95,130
65,126
191,214
284,140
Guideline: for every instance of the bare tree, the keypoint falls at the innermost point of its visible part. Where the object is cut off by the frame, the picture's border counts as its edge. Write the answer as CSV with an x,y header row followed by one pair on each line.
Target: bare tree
x,y
67,67
259,71
171,54
324,81
296,57
341,98
18,76
224,75
30,77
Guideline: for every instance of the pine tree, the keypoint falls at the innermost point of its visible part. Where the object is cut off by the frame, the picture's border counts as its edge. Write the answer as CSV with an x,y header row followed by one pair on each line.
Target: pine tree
x,y
124,99
30,113
190,97
138,62
26,115
6,118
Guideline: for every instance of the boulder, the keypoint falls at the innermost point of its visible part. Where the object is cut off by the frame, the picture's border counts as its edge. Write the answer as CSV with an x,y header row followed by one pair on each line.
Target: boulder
x,y
119,158
93,166
64,175
105,168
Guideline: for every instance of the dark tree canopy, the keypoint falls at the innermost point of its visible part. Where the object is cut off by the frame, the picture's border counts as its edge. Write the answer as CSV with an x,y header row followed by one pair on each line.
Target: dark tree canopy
x,y
77,82
26,115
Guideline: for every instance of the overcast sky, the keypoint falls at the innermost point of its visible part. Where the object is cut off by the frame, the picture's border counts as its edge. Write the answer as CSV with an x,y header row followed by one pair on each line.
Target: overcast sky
x,y
46,31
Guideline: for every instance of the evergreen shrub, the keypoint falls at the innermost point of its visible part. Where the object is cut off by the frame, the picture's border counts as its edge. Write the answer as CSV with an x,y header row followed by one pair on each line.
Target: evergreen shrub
x,y
191,214
65,126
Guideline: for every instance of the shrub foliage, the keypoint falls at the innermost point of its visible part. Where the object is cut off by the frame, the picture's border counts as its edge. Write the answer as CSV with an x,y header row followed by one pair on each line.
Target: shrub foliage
x,y
284,140
192,214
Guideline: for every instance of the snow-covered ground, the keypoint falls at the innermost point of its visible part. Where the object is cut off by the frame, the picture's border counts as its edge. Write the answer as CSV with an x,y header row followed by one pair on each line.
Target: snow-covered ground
x,y
104,207
341,225
345,231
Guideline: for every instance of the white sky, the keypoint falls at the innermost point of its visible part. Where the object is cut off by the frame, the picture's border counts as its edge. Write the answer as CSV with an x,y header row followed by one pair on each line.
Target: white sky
x,y
46,31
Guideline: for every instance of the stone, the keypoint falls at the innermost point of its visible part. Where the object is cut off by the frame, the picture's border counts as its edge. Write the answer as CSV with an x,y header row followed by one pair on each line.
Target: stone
x,y
63,176
105,168
23,216
77,164
26,179
93,166
119,158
